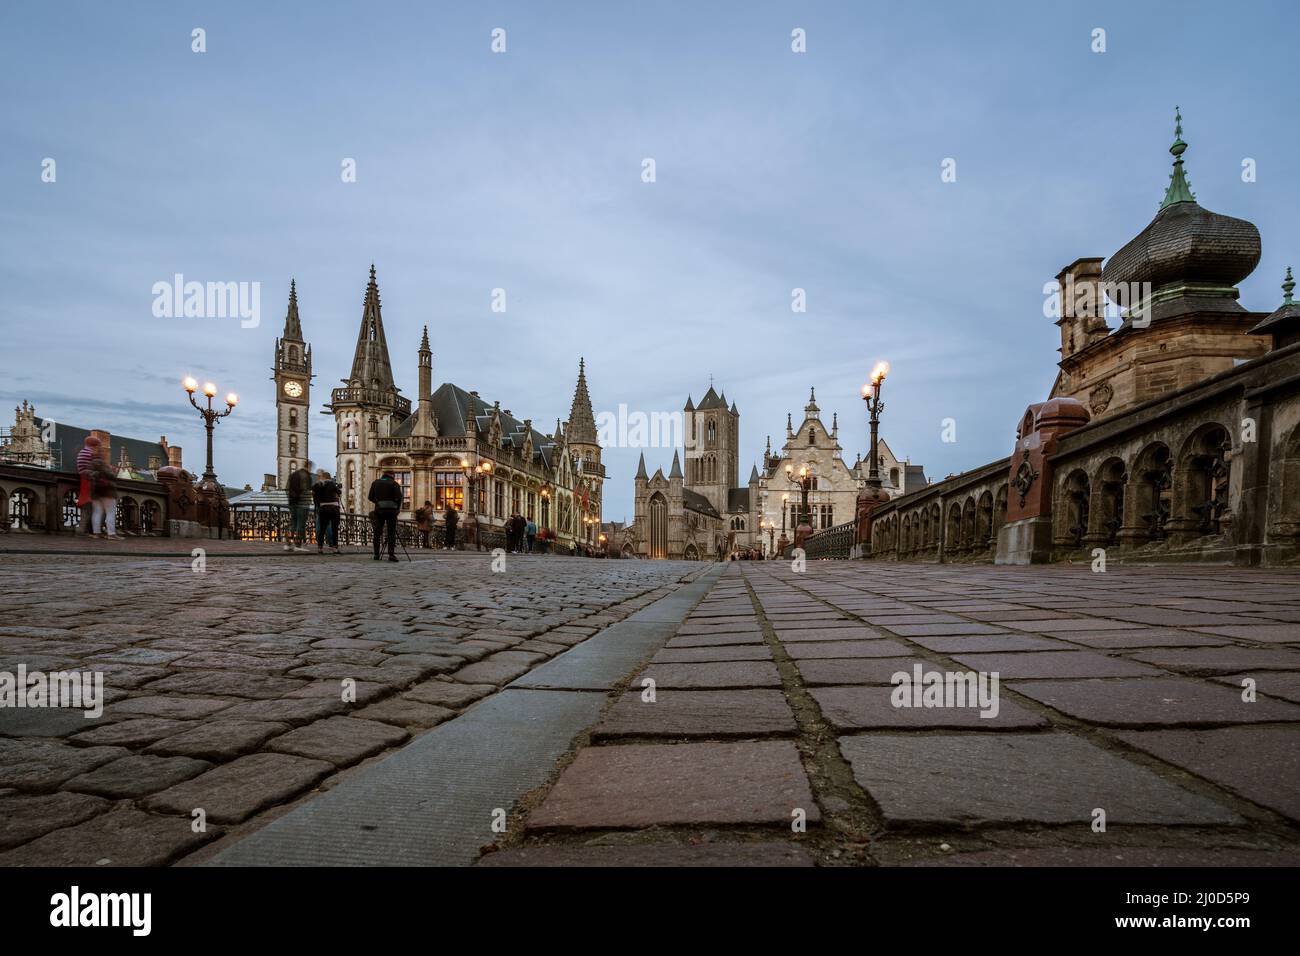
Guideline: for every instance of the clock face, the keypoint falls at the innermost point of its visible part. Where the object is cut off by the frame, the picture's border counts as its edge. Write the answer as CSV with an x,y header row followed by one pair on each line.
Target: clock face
x,y
293,389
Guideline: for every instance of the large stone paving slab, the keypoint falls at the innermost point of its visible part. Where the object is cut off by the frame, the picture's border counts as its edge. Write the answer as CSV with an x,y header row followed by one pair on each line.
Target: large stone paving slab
x,y
695,784
871,708
1055,664
876,670
1016,778
686,713
1259,763
718,675
1146,701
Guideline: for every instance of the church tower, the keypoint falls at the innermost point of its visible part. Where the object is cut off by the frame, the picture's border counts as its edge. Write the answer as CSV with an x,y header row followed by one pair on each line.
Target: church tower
x,y
712,448
292,375
368,407
580,435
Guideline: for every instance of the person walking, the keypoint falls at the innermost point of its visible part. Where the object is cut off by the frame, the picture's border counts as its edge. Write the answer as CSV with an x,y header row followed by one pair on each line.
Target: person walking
x,y
530,532
299,490
423,525
88,454
449,539
103,499
386,495
325,495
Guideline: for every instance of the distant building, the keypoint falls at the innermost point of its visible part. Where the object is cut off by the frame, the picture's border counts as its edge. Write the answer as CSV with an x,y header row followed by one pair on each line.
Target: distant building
x,y
556,480
704,512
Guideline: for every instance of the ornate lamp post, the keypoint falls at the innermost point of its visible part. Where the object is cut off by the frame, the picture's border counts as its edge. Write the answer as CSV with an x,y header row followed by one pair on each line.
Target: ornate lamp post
x,y
871,395
473,476
601,539
872,495
803,480
210,416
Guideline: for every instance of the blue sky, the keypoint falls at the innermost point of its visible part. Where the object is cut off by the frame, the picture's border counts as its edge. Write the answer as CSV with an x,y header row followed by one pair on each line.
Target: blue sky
x,y
522,171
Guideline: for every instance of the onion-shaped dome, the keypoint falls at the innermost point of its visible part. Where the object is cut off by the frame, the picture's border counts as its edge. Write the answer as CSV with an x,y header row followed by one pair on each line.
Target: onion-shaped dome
x,y
1187,250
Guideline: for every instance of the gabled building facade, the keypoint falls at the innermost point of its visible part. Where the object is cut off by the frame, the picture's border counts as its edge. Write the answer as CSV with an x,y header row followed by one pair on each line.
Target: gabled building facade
x,y
435,449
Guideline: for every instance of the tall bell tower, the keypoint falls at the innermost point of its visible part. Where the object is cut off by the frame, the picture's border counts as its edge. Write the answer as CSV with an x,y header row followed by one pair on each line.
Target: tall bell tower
x,y
292,394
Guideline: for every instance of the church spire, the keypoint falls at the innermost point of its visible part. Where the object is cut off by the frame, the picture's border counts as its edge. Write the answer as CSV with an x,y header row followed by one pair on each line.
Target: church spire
x,y
582,421
292,326
370,365
1179,190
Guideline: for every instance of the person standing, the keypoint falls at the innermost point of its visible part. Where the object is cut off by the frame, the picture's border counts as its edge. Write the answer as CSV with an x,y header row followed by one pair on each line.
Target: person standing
x,y
423,525
386,495
103,498
530,532
449,539
325,495
85,457
299,490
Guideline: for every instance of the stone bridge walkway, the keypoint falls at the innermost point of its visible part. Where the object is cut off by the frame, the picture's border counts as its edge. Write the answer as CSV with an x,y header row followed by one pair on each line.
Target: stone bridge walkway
x,y
568,711
772,737
224,687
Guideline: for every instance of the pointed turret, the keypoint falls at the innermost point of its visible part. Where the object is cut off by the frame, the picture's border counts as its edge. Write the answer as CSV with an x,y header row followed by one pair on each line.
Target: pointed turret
x,y
677,468
582,421
640,470
1284,323
690,405
753,474
292,325
1179,189
370,365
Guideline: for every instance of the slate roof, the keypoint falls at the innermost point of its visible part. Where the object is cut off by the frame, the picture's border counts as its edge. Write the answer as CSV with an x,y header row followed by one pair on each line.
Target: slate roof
x,y
451,408
68,440
695,501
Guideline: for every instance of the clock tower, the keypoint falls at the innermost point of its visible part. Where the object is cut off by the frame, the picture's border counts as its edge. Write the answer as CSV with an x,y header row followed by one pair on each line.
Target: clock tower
x,y
292,394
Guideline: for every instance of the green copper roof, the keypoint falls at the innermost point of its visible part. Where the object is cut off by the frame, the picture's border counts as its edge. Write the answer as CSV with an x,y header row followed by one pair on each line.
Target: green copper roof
x,y
1288,286
1179,190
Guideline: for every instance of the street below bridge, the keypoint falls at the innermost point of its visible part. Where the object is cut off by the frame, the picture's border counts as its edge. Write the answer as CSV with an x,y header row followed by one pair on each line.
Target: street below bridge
x,y
276,709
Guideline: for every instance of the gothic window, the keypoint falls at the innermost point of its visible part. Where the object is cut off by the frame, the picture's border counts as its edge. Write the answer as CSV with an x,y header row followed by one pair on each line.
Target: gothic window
x,y
893,477
516,499
293,446
531,513
827,516
293,355
812,436
403,479
350,436
712,431
293,418
499,499
448,489
658,526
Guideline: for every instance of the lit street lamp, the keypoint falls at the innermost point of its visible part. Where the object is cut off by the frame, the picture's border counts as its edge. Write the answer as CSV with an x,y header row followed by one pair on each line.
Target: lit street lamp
x,y
210,416
871,395
803,480
472,478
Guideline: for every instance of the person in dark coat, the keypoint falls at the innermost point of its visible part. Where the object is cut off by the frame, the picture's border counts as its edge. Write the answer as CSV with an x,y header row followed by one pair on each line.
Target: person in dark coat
x,y
325,495
449,533
299,490
386,495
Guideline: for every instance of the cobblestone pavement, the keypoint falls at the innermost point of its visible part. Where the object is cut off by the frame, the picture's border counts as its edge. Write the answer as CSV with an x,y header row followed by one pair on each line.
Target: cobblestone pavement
x,y
224,687
773,739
